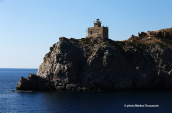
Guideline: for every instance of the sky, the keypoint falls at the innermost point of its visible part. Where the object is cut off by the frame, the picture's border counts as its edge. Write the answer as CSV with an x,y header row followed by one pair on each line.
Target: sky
x,y
28,28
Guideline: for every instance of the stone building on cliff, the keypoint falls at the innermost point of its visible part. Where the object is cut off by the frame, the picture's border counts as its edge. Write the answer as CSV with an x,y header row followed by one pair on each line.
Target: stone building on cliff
x,y
97,30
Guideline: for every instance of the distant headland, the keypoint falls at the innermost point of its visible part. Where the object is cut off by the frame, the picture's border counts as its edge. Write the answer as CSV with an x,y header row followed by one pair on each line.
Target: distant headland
x,y
99,63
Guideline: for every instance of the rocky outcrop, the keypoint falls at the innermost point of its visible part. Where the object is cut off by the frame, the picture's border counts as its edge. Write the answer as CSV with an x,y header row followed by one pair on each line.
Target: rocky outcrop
x,y
153,36
34,82
164,33
101,64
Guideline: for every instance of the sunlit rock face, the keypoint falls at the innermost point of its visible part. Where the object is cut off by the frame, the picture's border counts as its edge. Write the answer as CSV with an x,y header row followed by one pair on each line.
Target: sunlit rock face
x,y
101,64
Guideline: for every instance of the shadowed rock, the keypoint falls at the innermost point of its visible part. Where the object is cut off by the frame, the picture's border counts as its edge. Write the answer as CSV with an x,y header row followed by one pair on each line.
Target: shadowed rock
x,y
33,82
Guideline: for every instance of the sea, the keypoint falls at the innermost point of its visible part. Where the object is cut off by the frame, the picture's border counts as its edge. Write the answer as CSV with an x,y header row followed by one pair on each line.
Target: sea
x,y
138,101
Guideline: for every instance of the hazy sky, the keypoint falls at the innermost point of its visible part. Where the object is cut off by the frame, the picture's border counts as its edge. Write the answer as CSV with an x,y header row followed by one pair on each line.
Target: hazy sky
x,y
29,27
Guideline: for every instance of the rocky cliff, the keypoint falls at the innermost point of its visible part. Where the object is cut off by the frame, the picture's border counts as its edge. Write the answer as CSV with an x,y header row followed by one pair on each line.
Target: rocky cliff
x,y
164,33
103,64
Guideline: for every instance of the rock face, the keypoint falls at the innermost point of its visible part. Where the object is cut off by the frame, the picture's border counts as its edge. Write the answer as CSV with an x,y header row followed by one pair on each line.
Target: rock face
x,y
143,37
101,64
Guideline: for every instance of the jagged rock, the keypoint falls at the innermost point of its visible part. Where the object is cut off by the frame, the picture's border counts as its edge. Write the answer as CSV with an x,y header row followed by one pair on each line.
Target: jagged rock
x,y
71,86
34,82
164,33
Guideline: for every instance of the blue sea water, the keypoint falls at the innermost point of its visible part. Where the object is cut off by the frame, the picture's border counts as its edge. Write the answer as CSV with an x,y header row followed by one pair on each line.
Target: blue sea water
x,y
12,101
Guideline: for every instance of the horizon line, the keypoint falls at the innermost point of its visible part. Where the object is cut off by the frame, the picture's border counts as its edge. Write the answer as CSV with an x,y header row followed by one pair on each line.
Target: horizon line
x,y
18,68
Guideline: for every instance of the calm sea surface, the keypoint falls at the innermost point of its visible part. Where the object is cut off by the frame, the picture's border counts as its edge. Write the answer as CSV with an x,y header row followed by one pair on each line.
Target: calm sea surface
x,y
77,102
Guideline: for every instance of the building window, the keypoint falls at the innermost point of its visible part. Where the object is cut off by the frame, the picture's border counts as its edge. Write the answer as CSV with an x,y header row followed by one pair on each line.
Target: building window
x,y
91,32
